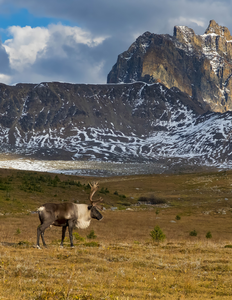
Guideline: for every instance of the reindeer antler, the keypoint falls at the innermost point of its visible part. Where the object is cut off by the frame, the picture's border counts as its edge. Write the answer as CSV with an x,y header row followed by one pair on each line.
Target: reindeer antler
x,y
94,186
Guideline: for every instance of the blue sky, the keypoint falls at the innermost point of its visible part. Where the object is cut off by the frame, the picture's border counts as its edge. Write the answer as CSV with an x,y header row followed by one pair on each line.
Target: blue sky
x,y
78,41
15,16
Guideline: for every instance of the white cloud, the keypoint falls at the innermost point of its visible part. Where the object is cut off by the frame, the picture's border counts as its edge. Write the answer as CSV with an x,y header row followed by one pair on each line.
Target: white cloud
x,y
84,53
28,44
25,45
185,21
80,36
5,78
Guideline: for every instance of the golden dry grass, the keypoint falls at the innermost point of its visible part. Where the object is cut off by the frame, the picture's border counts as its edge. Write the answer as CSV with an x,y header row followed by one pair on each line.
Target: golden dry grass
x,y
122,262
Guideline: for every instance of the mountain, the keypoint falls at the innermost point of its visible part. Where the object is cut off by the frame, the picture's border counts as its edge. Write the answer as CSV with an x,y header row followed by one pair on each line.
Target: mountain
x,y
199,65
172,107
137,122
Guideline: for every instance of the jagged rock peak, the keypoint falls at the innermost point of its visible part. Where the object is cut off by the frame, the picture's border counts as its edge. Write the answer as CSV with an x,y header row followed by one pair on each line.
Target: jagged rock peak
x,y
187,36
179,30
214,28
199,65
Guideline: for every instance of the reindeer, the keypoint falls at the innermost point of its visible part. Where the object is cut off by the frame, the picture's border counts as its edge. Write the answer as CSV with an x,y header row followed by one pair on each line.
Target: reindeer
x,y
68,215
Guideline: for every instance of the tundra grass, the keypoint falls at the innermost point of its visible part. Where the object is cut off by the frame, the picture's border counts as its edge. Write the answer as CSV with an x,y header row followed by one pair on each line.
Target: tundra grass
x,y
172,270
122,262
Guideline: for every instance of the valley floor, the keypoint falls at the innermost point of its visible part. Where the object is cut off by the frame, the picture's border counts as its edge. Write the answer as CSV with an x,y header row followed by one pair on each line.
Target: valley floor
x,y
122,262
110,266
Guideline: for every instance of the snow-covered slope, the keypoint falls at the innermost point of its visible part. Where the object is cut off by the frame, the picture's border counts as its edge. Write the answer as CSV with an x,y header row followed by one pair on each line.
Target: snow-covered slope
x,y
135,123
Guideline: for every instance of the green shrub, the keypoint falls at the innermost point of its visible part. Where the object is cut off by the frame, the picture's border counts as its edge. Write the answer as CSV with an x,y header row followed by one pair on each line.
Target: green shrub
x,y
31,187
228,246
57,178
178,217
78,237
104,191
122,196
91,235
157,234
193,233
117,194
72,182
87,187
208,235
4,187
25,244
18,231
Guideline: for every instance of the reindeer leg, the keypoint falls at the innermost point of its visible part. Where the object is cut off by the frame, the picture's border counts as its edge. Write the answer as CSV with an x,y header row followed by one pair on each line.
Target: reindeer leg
x,y
42,237
70,229
63,235
38,236
40,232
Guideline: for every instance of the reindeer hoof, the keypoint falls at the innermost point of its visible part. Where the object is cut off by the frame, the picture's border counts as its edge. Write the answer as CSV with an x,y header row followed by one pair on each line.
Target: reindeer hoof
x,y
38,247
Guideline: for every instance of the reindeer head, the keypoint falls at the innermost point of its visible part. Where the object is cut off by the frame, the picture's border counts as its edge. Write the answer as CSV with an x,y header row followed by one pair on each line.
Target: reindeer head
x,y
95,214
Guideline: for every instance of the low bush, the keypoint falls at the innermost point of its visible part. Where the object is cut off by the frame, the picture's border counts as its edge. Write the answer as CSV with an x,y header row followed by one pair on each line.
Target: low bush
x,y
25,244
18,231
91,235
208,235
193,233
157,234
122,196
104,191
78,237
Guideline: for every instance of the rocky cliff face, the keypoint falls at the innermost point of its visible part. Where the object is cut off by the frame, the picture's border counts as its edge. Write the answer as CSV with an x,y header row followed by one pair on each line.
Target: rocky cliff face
x,y
199,65
132,109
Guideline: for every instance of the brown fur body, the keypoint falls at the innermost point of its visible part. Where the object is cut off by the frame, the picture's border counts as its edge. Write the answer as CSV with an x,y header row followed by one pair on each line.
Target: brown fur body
x,y
65,215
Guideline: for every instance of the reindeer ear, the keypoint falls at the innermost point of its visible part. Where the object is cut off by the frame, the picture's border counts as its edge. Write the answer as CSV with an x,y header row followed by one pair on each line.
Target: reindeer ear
x,y
89,207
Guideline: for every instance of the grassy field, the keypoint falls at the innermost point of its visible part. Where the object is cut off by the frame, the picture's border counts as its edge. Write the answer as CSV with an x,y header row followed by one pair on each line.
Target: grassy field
x,y
122,262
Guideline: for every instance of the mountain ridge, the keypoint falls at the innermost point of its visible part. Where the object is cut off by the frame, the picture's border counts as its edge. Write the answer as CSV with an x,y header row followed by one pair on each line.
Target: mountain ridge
x,y
147,122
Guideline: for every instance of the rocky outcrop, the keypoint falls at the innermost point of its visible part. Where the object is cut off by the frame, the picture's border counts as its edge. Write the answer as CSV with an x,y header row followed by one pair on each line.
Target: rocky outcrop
x,y
199,65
